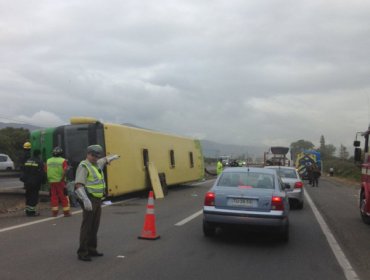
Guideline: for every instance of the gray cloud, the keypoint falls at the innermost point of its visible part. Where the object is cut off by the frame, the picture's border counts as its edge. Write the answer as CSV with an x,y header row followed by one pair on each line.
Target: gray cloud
x,y
240,72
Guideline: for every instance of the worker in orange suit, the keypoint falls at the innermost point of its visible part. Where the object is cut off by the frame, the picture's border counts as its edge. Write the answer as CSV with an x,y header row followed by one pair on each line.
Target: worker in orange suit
x,y
56,172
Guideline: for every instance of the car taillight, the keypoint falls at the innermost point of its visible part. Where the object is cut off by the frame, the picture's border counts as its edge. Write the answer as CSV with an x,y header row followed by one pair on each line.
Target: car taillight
x,y
277,203
209,200
298,185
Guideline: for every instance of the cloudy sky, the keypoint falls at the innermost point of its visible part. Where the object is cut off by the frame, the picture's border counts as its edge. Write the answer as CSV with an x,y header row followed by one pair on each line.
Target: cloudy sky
x,y
256,72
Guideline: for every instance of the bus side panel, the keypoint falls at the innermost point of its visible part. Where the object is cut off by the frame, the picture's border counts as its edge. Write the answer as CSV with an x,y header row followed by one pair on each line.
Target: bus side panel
x,y
128,174
125,174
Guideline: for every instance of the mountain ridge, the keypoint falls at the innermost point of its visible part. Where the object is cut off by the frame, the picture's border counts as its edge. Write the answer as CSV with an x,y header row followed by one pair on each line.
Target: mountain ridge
x,y
211,149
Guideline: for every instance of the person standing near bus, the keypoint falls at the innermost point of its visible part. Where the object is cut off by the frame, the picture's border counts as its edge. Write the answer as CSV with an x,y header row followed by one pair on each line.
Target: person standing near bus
x,y
56,171
33,178
26,155
219,166
90,189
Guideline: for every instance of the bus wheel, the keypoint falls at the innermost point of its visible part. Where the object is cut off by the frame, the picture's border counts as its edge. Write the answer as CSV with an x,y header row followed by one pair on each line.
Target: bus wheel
x,y
162,179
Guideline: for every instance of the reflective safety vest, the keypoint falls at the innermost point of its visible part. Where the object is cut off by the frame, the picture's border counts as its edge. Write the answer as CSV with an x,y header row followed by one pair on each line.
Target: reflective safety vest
x,y
95,184
219,168
55,169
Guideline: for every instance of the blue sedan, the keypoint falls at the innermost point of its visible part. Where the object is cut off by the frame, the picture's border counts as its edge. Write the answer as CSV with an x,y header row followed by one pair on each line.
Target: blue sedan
x,y
251,197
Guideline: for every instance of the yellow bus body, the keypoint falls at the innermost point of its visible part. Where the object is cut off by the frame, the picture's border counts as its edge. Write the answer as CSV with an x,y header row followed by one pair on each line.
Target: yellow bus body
x,y
128,173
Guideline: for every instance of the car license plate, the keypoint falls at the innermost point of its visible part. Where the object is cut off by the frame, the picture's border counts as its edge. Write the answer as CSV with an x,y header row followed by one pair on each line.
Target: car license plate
x,y
242,202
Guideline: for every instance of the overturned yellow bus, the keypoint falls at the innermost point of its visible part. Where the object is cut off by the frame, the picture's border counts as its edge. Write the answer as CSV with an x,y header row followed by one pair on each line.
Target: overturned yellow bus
x,y
177,159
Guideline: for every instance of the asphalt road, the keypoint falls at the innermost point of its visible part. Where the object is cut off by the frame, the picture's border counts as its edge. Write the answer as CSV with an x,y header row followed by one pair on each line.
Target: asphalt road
x,y
10,183
47,250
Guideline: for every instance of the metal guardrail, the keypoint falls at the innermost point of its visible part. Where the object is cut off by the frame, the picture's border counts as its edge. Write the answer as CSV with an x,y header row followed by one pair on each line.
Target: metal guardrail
x,y
9,174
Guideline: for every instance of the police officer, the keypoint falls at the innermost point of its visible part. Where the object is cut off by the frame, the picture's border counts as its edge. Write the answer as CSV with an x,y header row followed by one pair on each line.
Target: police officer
x,y
56,171
33,177
90,189
219,166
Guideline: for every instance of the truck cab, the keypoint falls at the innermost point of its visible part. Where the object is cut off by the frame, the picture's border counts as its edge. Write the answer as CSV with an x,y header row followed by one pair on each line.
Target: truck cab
x,y
362,157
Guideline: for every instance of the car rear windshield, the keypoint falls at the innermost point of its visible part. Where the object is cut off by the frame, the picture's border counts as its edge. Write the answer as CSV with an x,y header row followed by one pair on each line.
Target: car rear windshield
x,y
287,173
246,180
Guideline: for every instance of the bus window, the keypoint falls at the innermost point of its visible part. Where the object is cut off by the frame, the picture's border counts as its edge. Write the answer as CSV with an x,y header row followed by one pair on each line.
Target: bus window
x,y
145,157
172,158
191,159
77,140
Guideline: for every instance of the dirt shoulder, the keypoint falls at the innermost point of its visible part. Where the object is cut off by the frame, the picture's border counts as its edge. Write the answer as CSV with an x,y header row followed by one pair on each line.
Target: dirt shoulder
x,y
13,202
345,181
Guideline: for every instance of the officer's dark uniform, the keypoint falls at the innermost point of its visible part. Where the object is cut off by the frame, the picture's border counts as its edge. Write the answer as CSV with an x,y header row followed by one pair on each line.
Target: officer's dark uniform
x,y
33,177
26,156
316,173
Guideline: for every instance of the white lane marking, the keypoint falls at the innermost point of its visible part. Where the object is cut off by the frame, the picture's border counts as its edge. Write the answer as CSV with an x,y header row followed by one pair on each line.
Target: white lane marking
x,y
80,211
54,218
30,223
202,182
349,272
188,219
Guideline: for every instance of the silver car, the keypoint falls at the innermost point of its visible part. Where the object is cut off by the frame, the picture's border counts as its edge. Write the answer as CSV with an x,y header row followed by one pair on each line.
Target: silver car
x,y
291,178
251,197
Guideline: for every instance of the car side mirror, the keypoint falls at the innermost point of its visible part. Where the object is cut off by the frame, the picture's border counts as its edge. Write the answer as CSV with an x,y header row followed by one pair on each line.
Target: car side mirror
x,y
286,186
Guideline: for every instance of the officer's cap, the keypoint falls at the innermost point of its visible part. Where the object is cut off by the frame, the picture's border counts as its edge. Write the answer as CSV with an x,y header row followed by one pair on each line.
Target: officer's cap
x,y
95,150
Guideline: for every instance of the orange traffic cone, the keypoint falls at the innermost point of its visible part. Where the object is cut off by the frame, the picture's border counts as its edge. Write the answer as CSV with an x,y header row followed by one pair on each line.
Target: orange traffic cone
x,y
149,223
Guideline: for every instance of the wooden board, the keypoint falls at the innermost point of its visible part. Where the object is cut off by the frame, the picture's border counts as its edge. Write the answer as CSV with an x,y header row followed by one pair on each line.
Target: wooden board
x,y
154,179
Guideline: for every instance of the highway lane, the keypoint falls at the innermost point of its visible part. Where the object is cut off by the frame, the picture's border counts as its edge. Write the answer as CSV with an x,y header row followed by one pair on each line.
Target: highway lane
x,y
10,183
48,250
338,201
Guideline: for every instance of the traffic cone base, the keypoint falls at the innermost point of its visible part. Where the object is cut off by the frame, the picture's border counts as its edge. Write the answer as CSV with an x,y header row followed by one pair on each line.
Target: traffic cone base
x,y
149,237
149,231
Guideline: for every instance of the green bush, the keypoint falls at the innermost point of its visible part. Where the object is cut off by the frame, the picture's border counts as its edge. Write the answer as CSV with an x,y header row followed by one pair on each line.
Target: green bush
x,y
343,168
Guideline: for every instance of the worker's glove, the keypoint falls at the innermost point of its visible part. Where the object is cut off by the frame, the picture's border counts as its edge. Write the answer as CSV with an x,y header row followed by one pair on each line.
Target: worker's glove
x,y
81,194
112,157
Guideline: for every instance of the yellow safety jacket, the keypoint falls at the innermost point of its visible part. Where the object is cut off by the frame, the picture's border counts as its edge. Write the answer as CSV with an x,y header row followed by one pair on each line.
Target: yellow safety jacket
x,y
55,170
219,168
95,184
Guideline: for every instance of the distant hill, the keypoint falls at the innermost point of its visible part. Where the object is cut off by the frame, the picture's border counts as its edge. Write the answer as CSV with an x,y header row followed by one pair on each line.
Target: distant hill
x,y
210,149
213,150
19,125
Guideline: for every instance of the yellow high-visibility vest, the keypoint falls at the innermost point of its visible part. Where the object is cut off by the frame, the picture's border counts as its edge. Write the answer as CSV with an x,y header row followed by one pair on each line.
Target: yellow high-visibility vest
x,y
219,168
55,170
95,184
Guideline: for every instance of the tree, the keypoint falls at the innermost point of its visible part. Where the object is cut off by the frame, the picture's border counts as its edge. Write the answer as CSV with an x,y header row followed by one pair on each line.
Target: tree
x,y
300,146
343,153
329,151
322,146
11,142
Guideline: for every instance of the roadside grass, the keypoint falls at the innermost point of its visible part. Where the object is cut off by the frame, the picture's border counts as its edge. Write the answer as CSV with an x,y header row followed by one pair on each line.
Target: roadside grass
x,y
343,168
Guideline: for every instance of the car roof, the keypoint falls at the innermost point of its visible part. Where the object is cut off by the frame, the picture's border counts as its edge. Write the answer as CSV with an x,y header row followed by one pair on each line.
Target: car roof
x,y
249,169
282,167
